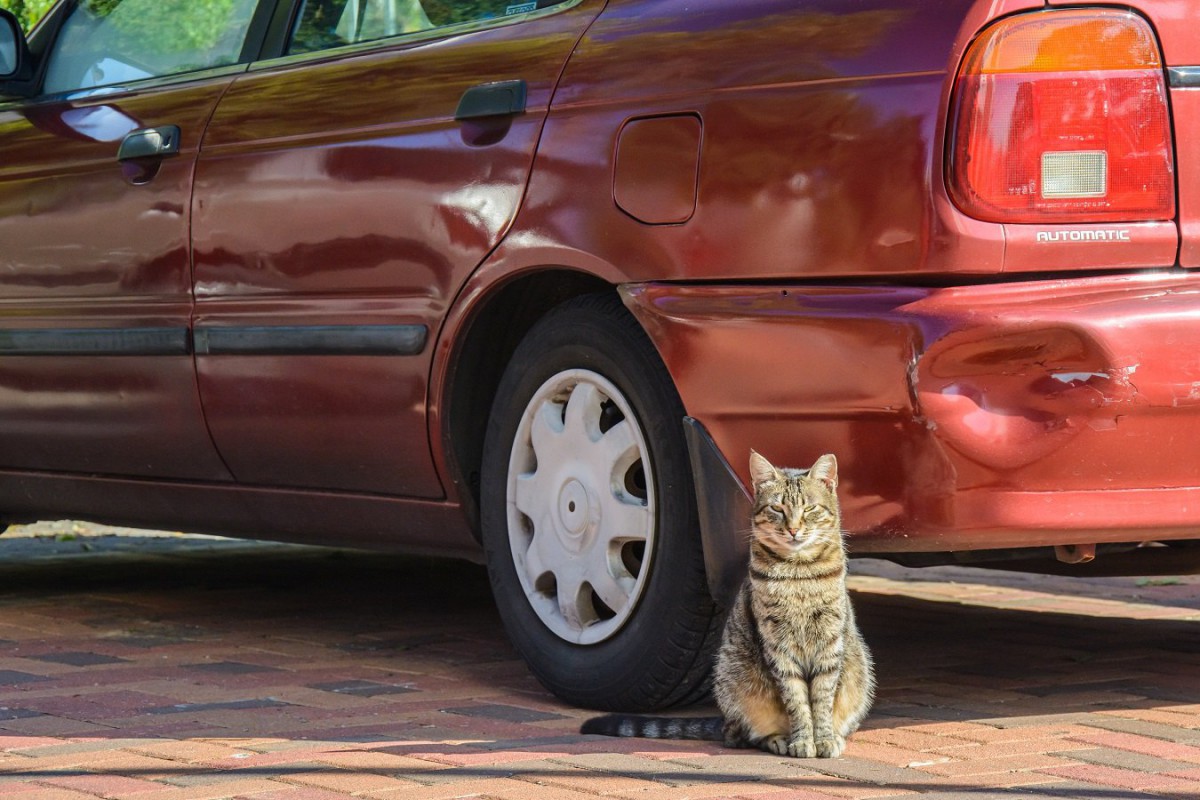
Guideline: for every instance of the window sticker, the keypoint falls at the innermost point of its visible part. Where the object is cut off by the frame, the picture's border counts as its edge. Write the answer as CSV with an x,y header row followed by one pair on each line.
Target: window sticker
x,y
520,8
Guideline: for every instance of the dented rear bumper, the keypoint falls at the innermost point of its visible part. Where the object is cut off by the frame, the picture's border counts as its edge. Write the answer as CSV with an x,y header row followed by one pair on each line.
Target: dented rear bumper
x,y
994,416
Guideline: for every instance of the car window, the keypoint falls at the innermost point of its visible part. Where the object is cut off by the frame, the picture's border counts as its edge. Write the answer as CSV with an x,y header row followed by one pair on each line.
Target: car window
x,y
104,42
322,24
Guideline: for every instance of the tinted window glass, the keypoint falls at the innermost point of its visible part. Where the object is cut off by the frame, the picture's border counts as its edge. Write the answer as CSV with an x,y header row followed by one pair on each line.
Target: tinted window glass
x,y
113,41
332,23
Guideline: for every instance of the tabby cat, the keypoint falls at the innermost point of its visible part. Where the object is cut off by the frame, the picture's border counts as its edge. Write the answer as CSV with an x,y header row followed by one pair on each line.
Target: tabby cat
x,y
793,675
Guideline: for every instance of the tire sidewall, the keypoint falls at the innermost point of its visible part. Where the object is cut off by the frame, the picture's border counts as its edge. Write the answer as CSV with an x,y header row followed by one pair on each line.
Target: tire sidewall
x,y
607,674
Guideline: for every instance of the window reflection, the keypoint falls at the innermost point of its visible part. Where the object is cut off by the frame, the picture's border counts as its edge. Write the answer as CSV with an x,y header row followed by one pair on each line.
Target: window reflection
x,y
323,24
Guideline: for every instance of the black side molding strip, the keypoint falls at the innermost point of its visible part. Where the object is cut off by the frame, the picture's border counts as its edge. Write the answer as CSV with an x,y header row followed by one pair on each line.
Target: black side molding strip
x,y
372,340
1184,77
313,340
94,342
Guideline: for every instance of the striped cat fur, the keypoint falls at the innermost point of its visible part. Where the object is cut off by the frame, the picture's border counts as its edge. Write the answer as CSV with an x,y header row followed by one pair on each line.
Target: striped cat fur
x,y
793,675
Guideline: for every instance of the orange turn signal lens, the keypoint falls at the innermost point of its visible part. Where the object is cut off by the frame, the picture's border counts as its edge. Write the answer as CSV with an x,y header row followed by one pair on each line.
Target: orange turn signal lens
x,y
1073,40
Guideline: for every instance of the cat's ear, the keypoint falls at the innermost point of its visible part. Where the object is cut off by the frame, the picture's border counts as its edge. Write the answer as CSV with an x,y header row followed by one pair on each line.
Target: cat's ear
x,y
825,470
761,470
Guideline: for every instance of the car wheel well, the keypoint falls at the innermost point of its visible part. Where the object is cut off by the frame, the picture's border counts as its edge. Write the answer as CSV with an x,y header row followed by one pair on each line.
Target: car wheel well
x,y
479,360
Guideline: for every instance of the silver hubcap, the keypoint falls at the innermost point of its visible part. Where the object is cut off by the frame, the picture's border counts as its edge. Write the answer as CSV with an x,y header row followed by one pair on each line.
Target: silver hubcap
x,y
580,507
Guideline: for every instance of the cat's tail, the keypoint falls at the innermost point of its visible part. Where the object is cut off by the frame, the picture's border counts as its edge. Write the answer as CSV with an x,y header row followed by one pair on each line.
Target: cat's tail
x,y
696,728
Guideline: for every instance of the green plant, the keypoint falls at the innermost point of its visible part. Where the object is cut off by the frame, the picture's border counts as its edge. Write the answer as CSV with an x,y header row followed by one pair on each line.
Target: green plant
x,y
27,12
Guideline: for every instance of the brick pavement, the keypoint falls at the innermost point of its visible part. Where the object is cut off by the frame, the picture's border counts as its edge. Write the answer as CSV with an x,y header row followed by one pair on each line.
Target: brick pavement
x,y
182,668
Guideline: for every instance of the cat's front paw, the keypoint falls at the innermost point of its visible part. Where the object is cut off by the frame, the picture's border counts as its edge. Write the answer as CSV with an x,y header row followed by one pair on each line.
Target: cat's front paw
x,y
830,747
793,748
801,748
776,744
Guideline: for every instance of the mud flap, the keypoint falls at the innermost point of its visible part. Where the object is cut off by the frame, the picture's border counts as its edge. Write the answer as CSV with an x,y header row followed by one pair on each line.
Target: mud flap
x,y
724,509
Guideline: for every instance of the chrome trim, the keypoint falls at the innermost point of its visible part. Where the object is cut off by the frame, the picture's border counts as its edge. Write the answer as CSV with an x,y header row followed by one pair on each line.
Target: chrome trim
x,y
1184,77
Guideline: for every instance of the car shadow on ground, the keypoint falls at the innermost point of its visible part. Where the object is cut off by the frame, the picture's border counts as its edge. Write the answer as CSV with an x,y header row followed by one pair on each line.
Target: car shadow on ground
x,y
283,644
951,659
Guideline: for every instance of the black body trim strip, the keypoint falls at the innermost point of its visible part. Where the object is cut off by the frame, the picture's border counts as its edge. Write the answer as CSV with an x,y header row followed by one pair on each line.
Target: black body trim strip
x,y
313,340
1184,77
94,342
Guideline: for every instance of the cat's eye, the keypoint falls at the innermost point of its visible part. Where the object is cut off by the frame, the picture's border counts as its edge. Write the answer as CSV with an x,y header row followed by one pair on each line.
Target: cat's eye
x,y
778,509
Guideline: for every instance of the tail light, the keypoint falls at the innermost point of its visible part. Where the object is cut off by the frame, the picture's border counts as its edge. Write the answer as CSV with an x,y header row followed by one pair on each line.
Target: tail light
x,y
1061,116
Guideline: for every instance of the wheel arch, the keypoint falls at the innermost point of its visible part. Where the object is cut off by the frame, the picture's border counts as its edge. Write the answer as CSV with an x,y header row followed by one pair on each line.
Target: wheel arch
x,y
492,325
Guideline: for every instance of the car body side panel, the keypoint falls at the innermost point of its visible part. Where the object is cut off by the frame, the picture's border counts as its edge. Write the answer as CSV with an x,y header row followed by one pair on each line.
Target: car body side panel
x,y
820,130
1180,38
822,151
96,373
339,191
1185,107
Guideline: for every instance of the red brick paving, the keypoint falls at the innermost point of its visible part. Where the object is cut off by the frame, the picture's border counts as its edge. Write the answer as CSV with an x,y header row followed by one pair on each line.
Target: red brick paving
x,y
187,668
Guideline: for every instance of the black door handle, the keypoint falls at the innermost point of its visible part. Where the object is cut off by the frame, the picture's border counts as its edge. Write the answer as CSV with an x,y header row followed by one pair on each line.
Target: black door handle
x,y
499,99
157,142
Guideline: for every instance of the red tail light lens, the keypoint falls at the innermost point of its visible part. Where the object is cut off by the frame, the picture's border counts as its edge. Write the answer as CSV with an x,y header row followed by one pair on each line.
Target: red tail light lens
x,y
1061,116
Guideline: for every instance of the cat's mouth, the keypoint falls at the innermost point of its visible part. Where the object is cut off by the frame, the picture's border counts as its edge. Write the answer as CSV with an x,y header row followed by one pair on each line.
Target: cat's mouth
x,y
794,542
798,540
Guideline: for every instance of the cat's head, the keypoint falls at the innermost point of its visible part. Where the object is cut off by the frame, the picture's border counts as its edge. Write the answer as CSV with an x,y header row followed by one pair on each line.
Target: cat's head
x,y
795,508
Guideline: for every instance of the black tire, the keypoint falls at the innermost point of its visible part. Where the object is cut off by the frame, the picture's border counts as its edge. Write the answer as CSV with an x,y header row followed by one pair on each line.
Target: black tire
x,y
656,650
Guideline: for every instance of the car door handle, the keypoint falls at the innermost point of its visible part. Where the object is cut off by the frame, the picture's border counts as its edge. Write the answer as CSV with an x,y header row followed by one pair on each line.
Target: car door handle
x,y
499,99
157,142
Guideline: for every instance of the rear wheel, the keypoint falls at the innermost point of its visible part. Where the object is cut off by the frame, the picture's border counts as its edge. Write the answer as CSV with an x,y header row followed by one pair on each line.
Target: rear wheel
x,y
589,518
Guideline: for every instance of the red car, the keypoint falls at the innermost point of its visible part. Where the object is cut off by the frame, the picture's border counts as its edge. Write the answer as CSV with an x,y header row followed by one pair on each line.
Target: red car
x,y
521,280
